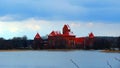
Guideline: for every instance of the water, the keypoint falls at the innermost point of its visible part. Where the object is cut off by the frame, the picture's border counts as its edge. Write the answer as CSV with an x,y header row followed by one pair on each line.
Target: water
x,y
58,59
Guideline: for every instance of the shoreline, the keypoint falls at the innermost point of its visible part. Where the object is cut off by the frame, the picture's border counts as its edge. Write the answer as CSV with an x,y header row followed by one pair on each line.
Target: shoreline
x,y
13,50
111,51
65,50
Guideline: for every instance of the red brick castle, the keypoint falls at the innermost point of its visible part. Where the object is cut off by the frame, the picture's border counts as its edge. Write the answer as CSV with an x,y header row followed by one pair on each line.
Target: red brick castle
x,y
66,39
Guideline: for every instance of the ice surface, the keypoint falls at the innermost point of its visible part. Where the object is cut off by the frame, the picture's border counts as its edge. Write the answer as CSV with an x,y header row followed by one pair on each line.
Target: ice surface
x,y
58,59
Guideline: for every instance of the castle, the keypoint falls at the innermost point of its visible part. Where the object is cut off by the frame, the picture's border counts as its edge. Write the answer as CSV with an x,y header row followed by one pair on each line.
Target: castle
x,y
66,39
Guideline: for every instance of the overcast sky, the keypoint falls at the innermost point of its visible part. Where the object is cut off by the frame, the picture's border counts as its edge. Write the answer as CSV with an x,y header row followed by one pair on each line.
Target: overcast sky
x,y
27,17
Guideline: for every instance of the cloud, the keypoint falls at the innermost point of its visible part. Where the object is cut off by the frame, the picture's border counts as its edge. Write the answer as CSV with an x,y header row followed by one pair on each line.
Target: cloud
x,y
15,26
75,25
89,24
69,10
98,28
26,17
13,29
6,18
31,26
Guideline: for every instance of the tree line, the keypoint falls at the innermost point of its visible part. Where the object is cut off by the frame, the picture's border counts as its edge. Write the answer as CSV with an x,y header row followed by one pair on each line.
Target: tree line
x,y
110,43
23,43
15,43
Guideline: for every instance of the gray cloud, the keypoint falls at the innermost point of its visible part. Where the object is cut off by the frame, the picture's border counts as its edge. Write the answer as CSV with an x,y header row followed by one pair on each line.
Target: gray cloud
x,y
74,10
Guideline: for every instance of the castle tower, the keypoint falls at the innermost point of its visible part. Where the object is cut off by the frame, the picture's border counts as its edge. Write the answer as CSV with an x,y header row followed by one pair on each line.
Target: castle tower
x,y
38,42
66,29
37,36
91,40
91,35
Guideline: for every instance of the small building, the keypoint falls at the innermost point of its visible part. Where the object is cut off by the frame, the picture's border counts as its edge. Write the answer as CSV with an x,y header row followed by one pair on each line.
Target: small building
x,y
37,42
91,40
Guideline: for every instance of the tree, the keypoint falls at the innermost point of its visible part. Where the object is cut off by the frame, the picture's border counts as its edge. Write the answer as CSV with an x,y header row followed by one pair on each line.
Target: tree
x,y
24,41
101,43
118,43
2,43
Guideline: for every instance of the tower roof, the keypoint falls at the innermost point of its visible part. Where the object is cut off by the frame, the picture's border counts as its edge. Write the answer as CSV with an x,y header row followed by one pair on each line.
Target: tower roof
x,y
66,26
37,36
91,35
54,33
67,30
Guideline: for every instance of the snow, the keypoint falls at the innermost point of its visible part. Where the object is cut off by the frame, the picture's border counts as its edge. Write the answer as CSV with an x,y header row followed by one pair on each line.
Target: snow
x,y
59,59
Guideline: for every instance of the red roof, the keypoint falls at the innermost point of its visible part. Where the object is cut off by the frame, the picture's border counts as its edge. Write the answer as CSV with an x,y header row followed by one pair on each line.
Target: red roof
x,y
66,26
37,36
66,29
91,35
54,33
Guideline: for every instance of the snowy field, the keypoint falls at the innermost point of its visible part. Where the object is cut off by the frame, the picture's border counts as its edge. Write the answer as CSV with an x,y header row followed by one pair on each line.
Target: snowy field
x,y
59,59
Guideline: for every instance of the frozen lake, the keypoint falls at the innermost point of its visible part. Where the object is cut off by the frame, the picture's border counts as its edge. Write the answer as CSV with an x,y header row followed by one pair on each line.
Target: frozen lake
x,y
59,59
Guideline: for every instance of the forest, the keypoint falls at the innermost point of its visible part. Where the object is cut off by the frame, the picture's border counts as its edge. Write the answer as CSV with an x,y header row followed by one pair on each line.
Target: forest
x,y
100,42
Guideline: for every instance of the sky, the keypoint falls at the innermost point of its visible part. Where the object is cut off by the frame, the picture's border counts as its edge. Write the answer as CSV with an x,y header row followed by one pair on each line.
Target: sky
x,y
27,17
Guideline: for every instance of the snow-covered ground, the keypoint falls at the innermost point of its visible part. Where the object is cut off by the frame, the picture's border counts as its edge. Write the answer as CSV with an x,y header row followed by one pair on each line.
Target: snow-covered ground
x,y
59,59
